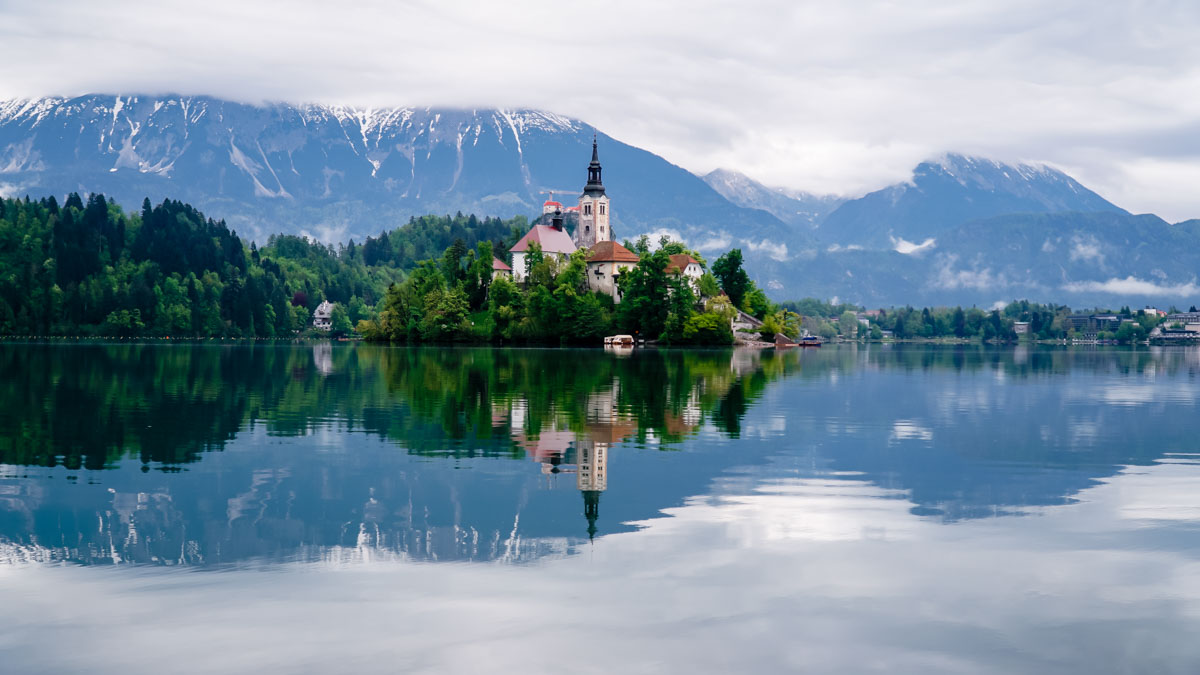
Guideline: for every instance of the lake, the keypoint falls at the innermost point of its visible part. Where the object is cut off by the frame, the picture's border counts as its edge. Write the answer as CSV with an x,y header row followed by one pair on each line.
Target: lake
x,y
317,508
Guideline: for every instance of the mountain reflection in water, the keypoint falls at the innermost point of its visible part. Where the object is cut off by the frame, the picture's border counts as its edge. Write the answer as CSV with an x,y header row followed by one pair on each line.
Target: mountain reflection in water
x,y
206,455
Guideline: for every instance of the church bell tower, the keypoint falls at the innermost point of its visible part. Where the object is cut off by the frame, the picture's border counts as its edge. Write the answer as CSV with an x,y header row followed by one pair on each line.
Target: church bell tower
x,y
593,207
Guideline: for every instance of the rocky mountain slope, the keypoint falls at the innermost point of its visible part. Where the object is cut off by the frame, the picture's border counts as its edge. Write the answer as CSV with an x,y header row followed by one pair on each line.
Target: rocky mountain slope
x,y
337,172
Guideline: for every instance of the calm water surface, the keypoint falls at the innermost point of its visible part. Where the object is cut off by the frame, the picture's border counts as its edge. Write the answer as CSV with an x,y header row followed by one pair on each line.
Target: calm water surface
x,y
335,508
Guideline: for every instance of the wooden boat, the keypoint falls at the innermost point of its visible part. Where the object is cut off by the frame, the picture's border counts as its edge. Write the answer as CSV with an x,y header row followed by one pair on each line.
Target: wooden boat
x,y
809,341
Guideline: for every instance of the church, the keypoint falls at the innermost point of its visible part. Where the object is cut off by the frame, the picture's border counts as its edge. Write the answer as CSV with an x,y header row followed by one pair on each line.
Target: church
x,y
593,230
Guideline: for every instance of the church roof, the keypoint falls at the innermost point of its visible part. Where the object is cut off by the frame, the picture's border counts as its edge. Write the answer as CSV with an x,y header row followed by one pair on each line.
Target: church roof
x,y
550,239
679,261
499,265
611,251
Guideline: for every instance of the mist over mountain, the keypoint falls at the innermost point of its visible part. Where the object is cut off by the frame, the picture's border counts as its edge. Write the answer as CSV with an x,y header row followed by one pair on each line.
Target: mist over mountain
x,y
794,207
962,230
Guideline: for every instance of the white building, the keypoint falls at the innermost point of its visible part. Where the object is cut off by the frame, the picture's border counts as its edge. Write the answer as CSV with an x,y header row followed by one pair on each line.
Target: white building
x,y
682,263
607,261
323,316
553,240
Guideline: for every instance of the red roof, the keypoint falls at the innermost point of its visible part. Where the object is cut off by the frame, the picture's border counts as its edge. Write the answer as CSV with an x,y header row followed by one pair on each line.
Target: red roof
x,y
550,239
679,261
551,203
611,251
498,264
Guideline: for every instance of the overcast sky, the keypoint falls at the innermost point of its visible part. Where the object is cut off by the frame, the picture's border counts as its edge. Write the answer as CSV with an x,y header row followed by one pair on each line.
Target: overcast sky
x,y
839,97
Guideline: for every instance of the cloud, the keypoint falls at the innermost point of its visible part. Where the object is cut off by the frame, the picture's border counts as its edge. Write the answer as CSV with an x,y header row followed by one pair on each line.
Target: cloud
x,y
774,251
1086,250
719,242
661,232
948,278
828,97
909,248
1133,286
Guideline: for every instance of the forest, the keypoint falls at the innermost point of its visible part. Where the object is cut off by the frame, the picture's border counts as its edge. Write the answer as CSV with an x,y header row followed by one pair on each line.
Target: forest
x,y
90,269
87,268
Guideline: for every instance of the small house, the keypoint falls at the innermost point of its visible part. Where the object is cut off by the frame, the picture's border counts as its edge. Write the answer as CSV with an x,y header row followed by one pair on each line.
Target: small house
x,y
607,261
689,267
500,269
323,316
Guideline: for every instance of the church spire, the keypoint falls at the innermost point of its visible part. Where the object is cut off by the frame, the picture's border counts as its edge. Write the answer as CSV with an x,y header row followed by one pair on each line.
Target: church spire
x,y
595,186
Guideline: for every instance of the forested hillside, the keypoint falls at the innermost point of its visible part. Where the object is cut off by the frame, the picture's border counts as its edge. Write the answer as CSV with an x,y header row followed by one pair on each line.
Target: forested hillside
x,y
92,269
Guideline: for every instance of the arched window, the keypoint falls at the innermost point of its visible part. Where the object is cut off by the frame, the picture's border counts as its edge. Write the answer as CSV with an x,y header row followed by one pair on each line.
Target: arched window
x,y
587,209
601,209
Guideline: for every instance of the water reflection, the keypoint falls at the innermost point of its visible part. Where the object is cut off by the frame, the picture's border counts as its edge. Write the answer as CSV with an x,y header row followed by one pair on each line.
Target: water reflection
x,y
204,455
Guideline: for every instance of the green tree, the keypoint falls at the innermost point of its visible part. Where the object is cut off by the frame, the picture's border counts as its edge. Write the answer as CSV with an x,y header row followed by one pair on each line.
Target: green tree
x,y
848,324
734,280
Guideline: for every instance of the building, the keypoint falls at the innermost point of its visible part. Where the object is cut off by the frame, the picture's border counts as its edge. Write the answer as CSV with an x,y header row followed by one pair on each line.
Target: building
x,y
607,260
682,263
1183,321
745,323
594,207
500,269
1021,327
1089,325
553,240
323,316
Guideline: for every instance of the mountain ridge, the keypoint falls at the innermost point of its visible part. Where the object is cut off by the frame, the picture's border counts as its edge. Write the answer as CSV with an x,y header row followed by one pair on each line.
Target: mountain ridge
x,y
339,172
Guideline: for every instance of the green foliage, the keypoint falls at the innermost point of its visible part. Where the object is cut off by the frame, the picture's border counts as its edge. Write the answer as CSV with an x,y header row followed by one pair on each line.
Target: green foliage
x,y
644,308
734,280
757,303
848,324
91,269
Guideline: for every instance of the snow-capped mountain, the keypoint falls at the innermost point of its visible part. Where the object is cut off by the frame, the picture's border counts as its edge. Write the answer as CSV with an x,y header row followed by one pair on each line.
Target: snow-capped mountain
x,y
337,172
961,230
946,192
794,207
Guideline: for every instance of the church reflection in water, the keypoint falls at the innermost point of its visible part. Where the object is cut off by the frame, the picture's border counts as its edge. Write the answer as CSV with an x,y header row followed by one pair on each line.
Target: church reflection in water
x,y
210,456
261,453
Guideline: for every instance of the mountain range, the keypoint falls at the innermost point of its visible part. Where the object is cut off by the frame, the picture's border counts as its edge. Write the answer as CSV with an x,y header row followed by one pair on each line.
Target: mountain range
x,y
962,229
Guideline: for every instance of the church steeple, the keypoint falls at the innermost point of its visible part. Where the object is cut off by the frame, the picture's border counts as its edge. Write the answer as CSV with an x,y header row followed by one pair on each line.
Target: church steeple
x,y
593,207
595,186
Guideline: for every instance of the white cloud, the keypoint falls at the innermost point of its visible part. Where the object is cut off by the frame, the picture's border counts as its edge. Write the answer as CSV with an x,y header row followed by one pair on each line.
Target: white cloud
x,y
774,251
1133,286
1087,250
719,242
829,97
909,248
661,232
949,278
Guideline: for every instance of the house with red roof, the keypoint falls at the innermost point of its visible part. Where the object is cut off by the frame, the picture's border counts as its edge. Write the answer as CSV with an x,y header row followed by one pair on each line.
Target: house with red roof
x,y
607,260
500,269
682,263
553,240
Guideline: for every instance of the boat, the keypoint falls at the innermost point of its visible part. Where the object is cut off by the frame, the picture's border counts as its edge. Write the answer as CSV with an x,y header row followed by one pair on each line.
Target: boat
x,y
809,341
619,341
